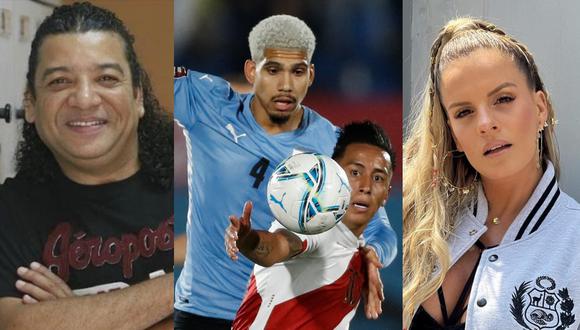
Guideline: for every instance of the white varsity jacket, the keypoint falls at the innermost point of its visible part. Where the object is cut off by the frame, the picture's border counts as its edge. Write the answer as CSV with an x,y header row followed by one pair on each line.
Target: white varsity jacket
x,y
532,279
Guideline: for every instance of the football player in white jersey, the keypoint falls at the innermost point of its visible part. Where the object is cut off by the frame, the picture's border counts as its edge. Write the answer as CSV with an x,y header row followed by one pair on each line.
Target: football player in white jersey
x,y
305,281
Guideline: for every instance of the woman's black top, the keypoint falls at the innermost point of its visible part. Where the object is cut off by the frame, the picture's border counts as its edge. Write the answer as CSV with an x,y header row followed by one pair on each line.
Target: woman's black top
x,y
422,319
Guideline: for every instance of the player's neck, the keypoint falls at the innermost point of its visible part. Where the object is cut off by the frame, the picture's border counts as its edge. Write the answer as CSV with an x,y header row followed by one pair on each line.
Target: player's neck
x,y
272,127
355,228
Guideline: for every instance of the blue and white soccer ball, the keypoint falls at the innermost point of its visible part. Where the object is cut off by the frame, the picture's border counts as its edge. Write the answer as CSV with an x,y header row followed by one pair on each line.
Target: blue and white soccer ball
x,y
308,193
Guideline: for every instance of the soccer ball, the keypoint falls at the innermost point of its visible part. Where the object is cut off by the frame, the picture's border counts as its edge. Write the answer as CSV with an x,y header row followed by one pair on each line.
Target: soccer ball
x,y
308,193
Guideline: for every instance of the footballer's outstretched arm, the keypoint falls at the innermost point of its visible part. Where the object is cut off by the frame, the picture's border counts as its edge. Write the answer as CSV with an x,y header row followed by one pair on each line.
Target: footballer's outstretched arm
x,y
262,247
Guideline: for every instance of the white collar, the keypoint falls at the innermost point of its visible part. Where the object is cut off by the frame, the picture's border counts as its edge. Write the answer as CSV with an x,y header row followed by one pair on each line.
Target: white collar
x,y
534,212
471,224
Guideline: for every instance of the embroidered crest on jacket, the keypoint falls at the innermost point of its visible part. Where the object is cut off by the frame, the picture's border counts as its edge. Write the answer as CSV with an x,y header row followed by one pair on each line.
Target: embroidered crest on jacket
x,y
542,306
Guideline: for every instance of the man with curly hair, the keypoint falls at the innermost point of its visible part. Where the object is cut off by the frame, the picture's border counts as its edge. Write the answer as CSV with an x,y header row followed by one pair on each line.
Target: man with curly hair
x,y
90,210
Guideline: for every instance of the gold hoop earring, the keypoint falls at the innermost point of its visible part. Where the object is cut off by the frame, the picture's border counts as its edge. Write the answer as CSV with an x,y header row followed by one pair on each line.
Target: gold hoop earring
x,y
451,188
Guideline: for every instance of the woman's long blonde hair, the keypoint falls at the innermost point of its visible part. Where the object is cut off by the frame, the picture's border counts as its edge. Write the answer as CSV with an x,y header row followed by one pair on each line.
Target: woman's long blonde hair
x,y
431,198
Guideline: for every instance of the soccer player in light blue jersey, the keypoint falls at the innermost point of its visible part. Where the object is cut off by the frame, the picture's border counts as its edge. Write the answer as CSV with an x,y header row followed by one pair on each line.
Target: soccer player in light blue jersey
x,y
234,142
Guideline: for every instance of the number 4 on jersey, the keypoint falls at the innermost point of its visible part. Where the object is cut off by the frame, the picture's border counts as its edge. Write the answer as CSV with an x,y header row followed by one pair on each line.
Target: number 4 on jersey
x,y
259,171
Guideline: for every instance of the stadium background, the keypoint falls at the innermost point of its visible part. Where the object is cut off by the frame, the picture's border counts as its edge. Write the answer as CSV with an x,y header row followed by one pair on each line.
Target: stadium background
x,y
358,76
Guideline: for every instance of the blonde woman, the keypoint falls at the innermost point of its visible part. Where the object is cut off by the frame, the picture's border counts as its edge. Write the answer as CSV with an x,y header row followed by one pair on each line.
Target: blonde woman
x,y
490,241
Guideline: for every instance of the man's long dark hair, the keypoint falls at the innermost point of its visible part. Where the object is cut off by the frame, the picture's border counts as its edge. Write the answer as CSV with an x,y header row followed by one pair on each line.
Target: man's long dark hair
x,y
36,162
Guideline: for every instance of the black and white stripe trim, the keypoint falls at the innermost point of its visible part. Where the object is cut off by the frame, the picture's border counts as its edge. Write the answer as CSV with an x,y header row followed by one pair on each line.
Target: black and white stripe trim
x,y
546,202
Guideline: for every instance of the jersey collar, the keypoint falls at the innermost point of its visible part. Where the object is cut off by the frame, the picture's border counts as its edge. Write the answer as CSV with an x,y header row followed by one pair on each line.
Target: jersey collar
x,y
249,116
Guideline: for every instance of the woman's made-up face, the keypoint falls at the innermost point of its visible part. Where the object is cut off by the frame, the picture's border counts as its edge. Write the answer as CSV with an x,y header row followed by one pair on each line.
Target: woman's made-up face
x,y
493,113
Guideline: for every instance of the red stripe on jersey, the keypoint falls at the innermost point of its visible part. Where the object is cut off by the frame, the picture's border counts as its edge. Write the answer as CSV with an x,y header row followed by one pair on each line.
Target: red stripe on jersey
x,y
304,246
325,307
249,308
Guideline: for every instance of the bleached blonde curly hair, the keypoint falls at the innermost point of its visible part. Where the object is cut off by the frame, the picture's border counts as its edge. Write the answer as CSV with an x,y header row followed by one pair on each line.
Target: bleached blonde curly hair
x,y
281,32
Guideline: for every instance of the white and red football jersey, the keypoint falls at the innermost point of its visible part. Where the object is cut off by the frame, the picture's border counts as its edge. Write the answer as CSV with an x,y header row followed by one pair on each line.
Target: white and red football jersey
x,y
318,289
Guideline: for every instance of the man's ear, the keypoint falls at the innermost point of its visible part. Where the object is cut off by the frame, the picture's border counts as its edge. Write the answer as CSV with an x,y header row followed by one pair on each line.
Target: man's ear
x,y
29,111
250,71
139,98
312,74
384,202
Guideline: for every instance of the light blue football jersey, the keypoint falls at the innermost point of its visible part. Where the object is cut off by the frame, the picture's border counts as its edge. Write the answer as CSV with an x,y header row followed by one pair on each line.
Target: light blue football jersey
x,y
230,159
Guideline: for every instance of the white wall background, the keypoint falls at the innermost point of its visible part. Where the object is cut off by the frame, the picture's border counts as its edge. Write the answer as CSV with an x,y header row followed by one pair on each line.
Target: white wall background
x,y
551,30
14,50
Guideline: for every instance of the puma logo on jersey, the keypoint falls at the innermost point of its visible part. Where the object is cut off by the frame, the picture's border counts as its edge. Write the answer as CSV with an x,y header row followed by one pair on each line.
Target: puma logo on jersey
x,y
207,77
231,129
